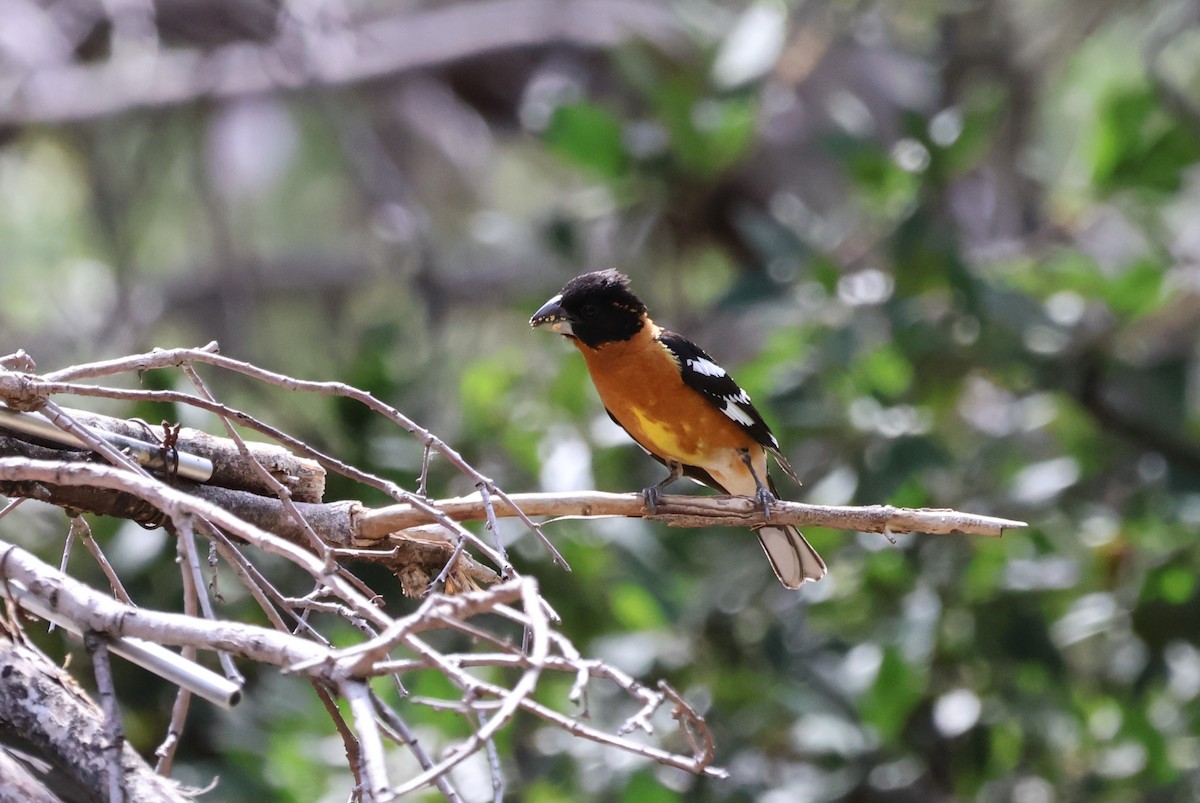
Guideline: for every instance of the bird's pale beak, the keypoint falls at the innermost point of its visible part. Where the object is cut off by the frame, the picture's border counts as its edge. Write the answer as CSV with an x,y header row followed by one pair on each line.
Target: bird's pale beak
x,y
553,314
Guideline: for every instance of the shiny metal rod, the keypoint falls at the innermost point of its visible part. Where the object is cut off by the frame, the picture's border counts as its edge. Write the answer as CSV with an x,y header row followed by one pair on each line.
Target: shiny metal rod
x,y
148,455
153,657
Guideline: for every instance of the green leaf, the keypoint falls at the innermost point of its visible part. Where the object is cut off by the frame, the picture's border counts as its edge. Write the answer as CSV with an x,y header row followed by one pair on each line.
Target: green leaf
x,y
884,189
636,608
590,137
984,573
886,371
1138,290
485,385
981,114
888,568
543,791
1006,742
911,494
1139,146
644,788
708,135
1174,584
891,700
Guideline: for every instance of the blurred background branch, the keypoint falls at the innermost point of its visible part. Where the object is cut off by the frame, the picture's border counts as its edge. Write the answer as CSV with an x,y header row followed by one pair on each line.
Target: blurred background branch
x,y
290,48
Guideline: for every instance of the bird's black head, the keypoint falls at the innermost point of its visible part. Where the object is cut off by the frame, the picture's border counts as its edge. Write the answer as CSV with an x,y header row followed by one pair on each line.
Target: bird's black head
x,y
595,308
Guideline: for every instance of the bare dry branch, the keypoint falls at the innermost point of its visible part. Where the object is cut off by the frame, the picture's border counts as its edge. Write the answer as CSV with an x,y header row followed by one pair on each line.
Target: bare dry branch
x,y
350,523
510,621
74,735
509,625
692,511
24,391
303,479
549,650
114,728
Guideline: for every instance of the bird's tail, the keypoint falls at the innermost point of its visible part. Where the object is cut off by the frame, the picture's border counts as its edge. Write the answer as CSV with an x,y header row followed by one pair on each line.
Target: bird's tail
x,y
792,557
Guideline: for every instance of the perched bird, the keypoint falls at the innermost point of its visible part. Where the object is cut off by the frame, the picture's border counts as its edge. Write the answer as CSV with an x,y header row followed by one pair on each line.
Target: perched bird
x,y
677,404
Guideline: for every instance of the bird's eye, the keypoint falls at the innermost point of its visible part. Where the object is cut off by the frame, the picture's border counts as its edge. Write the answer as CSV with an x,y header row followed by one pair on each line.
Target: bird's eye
x,y
589,310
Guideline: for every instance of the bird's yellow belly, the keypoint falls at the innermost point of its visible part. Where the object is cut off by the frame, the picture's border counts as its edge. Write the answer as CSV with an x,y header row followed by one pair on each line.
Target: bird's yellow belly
x,y
674,440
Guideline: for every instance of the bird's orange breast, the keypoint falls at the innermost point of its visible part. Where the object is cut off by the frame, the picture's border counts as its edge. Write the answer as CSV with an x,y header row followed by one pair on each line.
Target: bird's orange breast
x,y
640,383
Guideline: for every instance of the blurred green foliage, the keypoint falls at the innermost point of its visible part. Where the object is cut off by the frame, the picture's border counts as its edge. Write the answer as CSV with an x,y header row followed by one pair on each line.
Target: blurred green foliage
x,y
950,276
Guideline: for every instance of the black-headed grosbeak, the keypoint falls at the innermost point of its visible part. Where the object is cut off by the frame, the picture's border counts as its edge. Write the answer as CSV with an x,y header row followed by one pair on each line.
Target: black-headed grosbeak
x,y
677,404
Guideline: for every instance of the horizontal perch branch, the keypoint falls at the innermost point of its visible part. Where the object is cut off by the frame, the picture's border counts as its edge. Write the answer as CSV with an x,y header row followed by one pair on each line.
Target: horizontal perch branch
x,y
349,524
693,511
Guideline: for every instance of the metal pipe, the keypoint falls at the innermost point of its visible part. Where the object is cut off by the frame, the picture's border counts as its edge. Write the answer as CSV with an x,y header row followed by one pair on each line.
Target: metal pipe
x,y
149,455
153,657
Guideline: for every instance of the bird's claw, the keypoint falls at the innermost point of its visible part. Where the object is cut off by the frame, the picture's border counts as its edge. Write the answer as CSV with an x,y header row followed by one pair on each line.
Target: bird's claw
x,y
652,495
766,499
762,493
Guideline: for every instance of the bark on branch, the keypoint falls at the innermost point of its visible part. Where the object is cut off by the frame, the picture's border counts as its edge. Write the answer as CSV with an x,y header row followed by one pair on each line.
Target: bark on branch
x,y
403,527
510,625
400,646
693,511
304,479
49,709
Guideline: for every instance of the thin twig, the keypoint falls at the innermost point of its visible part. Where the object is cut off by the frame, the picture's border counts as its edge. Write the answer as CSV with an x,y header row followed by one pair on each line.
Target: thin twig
x,y
92,610
261,589
350,742
178,357
374,780
493,526
423,479
11,506
448,567
66,554
101,559
187,543
114,729
392,724
299,447
183,698
493,757
180,506
281,491
514,698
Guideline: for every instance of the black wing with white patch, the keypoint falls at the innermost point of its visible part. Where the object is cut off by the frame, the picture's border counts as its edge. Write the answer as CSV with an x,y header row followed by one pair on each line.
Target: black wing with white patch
x,y
702,374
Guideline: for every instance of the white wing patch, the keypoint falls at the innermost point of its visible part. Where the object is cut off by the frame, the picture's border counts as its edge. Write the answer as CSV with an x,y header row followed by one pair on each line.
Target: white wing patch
x,y
706,367
703,375
733,409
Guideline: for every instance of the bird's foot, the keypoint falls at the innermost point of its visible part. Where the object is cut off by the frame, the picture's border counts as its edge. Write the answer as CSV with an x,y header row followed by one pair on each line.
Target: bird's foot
x,y
654,493
765,499
761,492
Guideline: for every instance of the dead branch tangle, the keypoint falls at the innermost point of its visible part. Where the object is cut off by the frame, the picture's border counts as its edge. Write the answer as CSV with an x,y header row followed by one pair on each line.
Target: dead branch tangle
x,y
267,498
